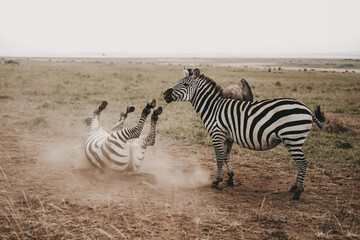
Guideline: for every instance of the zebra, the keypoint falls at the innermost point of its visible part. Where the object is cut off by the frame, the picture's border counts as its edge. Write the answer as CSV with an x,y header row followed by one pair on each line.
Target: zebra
x,y
112,150
256,125
240,91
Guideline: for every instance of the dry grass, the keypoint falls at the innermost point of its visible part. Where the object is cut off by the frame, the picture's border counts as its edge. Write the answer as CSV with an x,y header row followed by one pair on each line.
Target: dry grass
x,y
338,124
51,99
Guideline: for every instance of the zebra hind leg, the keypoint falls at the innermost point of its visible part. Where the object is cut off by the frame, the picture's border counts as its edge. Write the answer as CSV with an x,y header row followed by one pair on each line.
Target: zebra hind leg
x,y
150,139
299,157
151,104
131,133
101,107
219,146
93,123
123,115
156,113
230,181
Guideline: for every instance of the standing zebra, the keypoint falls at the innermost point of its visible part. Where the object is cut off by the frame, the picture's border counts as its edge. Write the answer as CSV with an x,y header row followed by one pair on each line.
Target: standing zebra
x,y
112,149
258,125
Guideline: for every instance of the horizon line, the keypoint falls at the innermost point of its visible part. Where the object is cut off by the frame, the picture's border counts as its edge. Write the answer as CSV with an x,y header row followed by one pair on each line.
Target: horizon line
x,y
105,55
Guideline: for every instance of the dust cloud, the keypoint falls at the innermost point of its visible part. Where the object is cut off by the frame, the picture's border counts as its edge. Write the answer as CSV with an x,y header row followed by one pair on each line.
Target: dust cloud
x,y
158,164
170,172
64,156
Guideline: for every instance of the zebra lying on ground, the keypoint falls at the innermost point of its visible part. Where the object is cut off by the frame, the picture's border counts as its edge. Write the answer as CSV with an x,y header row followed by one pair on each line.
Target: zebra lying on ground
x,y
112,149
240,91
258,125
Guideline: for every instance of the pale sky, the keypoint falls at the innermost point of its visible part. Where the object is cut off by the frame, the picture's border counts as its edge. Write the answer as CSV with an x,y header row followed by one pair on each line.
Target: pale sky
x,y
184,26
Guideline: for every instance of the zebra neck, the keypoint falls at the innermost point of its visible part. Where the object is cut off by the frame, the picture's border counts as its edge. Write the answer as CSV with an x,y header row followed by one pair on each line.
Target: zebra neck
x,y
205,99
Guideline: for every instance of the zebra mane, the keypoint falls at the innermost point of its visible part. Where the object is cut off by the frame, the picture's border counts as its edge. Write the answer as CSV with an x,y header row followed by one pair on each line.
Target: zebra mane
x,y
212,82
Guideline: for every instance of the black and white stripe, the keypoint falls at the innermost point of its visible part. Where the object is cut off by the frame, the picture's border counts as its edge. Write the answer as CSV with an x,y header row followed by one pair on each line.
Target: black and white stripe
x,y
256,125
112,149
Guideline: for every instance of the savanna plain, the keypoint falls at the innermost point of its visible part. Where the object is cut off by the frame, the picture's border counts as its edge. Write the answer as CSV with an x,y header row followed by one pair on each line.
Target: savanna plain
x,y
48,190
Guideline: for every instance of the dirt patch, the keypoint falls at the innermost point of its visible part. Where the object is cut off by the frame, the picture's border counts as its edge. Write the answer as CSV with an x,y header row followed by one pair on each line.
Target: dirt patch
x,y
48,190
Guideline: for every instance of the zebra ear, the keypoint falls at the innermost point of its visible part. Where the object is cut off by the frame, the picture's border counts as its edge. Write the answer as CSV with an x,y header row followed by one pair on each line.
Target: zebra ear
x,y
196,73
247,93
186,72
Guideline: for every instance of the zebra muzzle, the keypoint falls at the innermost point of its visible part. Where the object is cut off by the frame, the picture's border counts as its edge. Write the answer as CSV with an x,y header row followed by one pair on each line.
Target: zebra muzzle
x,y
167,95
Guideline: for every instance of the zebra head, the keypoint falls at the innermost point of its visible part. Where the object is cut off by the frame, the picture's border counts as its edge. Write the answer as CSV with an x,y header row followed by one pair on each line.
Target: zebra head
x,y
184,90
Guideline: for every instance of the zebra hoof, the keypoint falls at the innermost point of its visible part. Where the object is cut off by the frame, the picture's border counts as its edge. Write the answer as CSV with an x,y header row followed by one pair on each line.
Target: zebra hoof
x,y
215,184
158,111
296,195
230,182
293,189
103,105
297,192
151,104
130,109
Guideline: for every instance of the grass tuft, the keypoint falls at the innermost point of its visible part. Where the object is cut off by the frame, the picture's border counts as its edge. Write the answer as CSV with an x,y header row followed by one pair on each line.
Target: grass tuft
x,y
35,122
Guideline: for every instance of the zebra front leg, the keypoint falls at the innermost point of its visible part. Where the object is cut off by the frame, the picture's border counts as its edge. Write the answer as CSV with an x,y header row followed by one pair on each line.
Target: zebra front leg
x,y
123,115
229,144
298,155
150,139
219,147
94,123
131,133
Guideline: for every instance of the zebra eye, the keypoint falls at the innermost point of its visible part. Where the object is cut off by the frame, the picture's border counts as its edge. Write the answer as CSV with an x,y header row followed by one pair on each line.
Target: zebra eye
x,y
186,84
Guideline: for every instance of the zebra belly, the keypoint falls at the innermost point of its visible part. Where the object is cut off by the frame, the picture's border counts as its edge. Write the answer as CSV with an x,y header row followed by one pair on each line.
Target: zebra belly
x,y
137,153
273,142
107,154
92,146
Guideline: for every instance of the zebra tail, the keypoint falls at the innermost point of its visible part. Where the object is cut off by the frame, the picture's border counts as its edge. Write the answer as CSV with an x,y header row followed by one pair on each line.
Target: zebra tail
x,y
319,117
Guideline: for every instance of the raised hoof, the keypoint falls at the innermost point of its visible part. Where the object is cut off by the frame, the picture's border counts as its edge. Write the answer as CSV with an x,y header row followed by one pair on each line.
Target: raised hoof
x,y
103,105
130,109
158,111
88,121
151,104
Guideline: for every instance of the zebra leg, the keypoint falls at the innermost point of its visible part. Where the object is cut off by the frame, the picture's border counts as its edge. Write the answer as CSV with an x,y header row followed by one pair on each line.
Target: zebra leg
x,y
219,146
94,123
131,133
123,115
298,155
150,139
229,144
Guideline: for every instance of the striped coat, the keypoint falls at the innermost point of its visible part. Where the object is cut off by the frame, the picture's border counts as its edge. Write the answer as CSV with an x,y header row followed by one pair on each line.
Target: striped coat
x,y
256,125
113,150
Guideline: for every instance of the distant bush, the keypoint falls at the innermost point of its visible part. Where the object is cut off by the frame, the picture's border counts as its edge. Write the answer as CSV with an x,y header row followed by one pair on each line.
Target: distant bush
x,y
10,61
347,65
